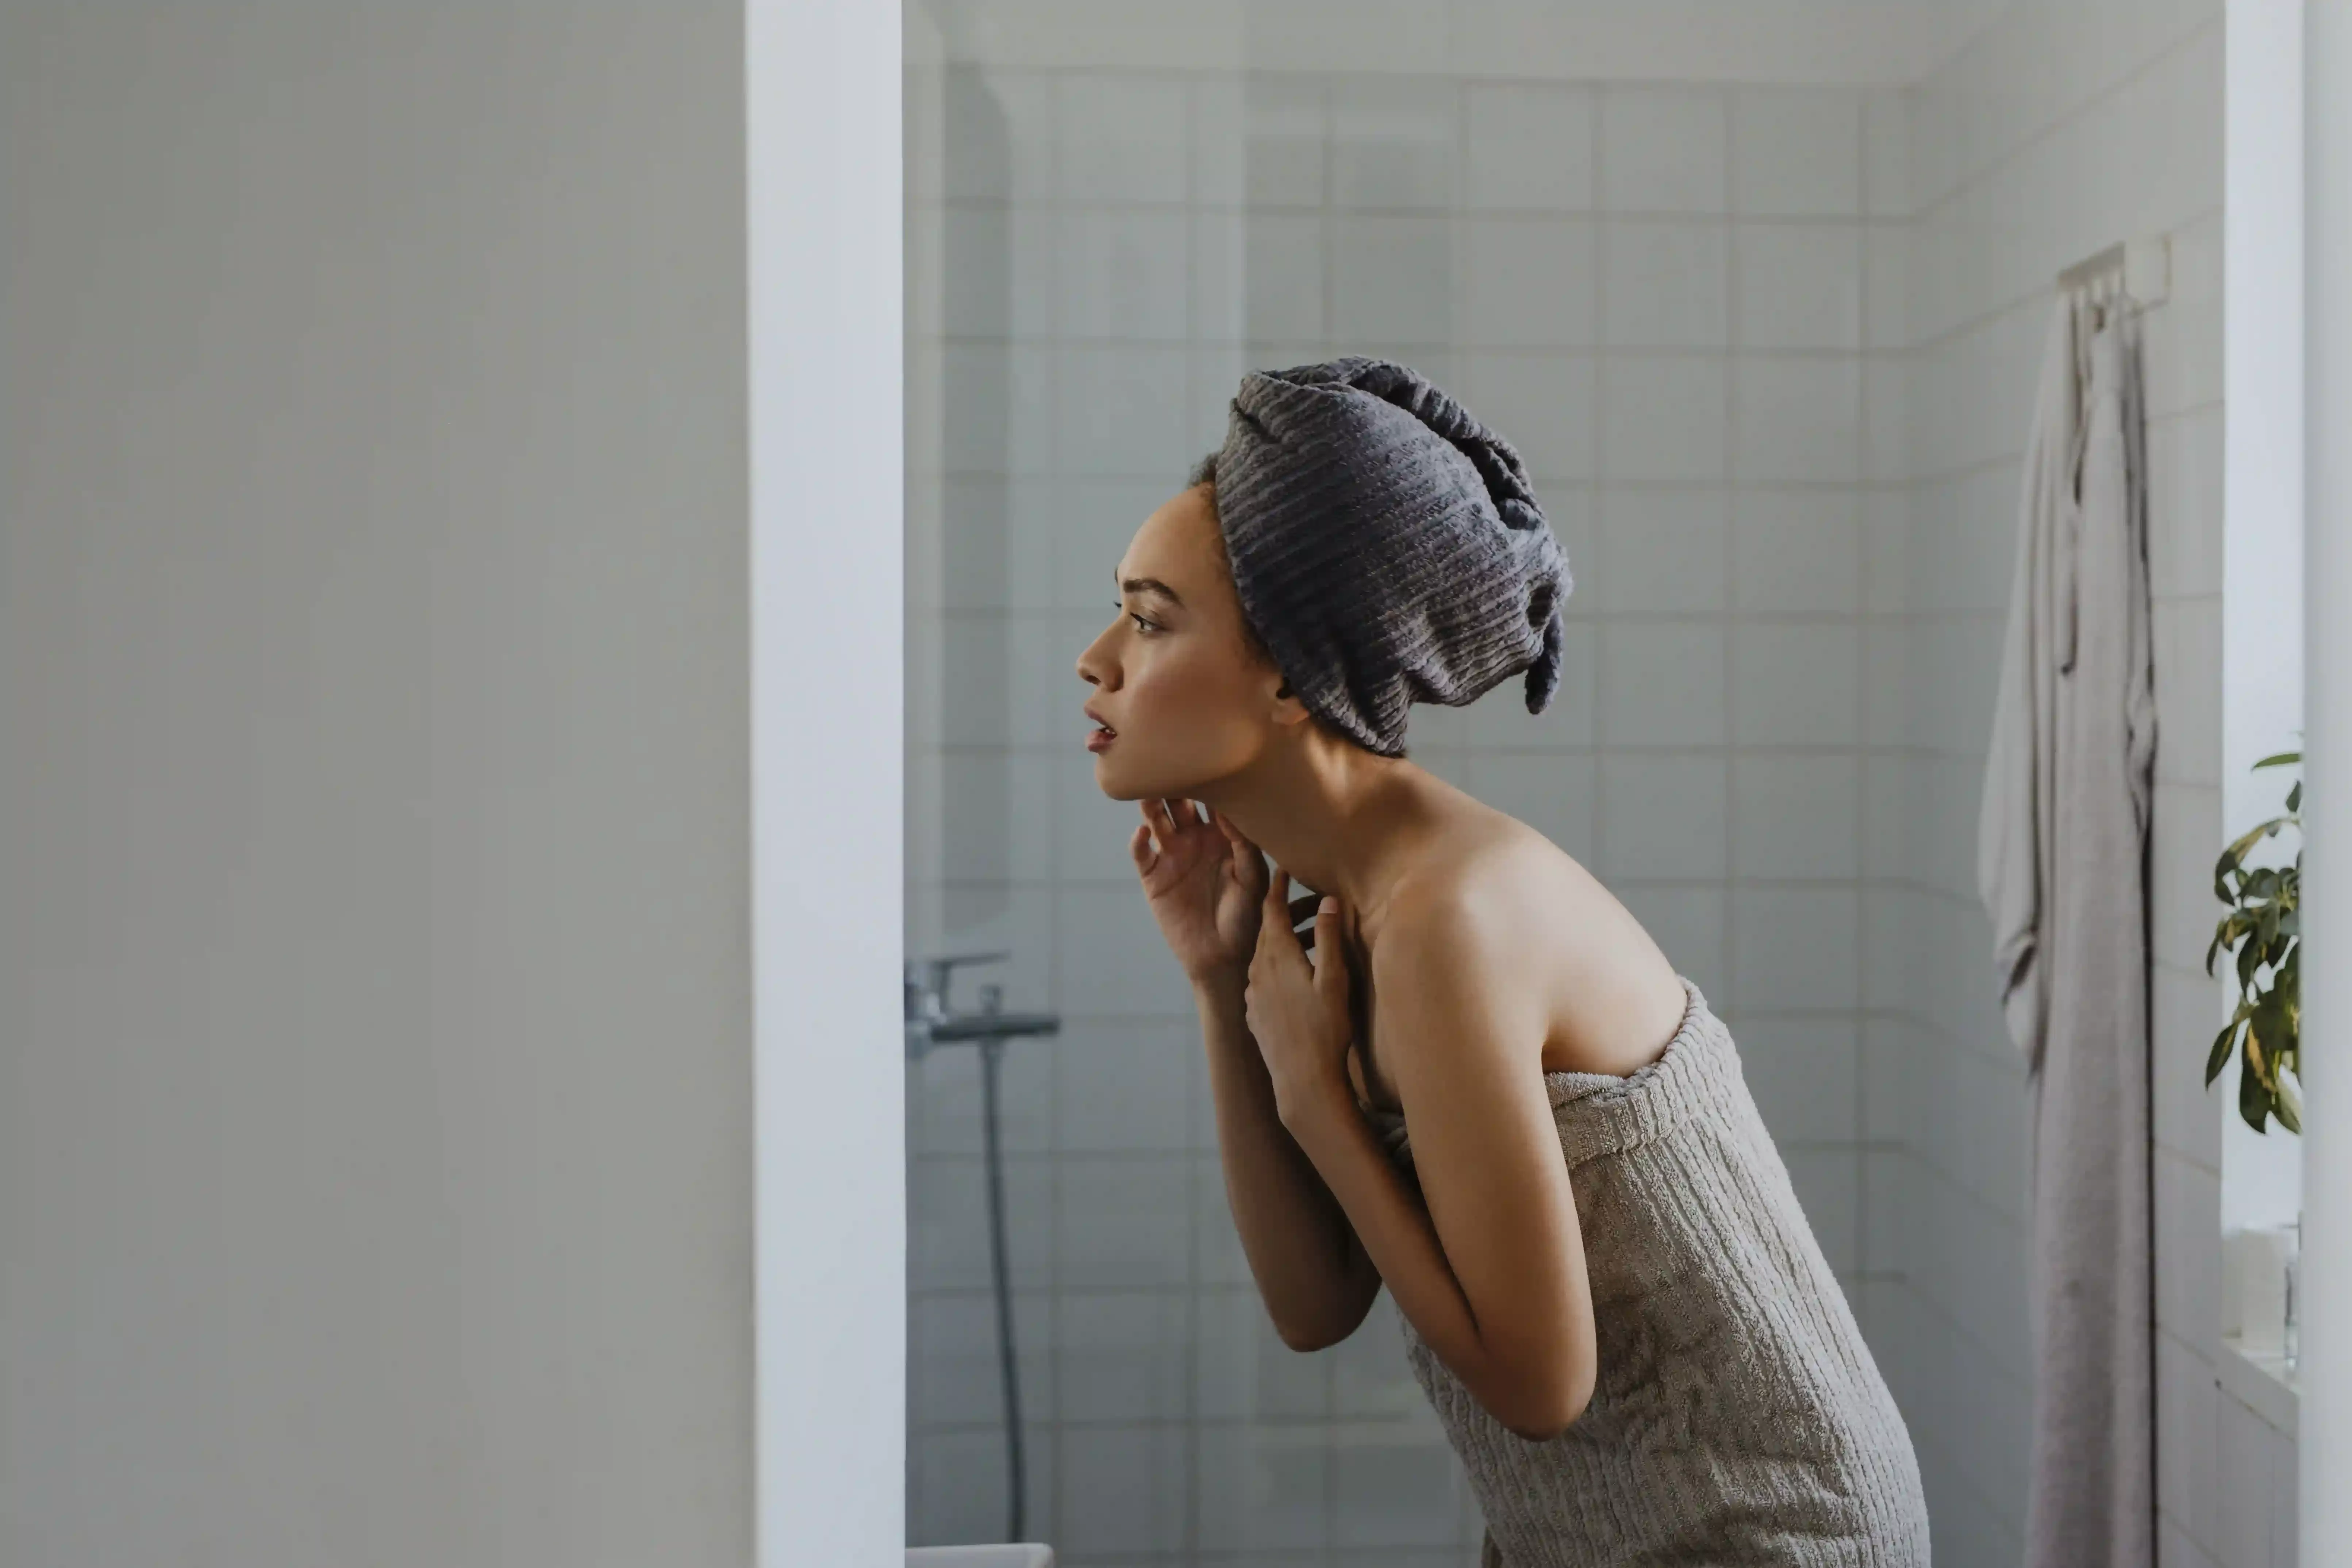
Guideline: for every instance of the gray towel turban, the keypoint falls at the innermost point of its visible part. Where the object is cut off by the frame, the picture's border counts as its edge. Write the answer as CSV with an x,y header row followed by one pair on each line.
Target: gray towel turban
x,y
1387,547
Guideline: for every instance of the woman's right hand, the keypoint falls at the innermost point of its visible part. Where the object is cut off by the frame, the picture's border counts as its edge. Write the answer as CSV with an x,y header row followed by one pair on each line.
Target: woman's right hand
x,y
1206,884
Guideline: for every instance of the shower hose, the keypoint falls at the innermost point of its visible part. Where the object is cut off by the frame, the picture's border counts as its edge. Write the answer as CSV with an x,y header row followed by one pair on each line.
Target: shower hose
x,y
992,1053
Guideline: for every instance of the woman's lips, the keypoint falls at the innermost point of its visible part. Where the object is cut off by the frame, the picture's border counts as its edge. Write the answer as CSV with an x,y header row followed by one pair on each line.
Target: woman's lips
x,y
1099,740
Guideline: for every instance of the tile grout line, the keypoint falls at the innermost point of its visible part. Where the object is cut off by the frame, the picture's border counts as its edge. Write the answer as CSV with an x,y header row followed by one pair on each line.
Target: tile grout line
x,y
1863,1165
1326,90
1602,511
1734,330
1187,1524
1052,1426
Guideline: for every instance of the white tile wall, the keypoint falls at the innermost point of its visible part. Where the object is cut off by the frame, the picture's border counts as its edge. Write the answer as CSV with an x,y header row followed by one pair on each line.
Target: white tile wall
x,y
1395,142
1801,285
1392,278
1661,551
1529,147
1767,352
1663,683
1669,817
1797,684
1794,817
1528,282
1122,138
1799,420
1667,284
1798,553
1796,153
1664,150
1665,419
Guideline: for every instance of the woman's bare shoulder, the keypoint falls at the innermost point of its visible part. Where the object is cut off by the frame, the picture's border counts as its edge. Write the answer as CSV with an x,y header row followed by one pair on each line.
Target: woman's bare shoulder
x,y
1493,862
1611,997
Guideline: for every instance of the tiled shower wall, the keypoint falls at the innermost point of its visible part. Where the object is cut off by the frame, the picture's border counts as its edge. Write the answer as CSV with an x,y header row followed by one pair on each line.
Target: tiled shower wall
x,y
1684,305
2067,126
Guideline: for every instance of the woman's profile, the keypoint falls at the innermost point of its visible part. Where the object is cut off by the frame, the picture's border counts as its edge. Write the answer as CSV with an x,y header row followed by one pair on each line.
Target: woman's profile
x,y
1475,1079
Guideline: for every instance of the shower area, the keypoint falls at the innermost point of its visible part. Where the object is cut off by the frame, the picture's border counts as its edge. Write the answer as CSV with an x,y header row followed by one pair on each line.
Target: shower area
x,y
1762,324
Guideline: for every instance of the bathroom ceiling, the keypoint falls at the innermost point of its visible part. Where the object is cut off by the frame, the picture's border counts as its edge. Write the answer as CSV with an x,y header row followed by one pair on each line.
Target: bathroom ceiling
x,y
1878,42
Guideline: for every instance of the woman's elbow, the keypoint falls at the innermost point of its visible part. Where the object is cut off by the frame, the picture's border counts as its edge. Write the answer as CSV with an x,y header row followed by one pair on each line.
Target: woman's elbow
x,y
1309,1337
1309,1332
1541,1431
1540,1417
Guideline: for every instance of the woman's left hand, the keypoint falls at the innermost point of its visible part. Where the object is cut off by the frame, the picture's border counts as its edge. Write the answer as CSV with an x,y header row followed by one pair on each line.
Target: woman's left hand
x,y
1298,1011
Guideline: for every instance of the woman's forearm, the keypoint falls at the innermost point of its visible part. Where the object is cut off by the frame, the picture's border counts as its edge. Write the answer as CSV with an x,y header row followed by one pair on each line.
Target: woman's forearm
x,y
1315,1277
1396,1232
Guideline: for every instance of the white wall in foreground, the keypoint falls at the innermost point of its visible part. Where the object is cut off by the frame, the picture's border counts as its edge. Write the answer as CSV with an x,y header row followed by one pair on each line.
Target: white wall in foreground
x,y
2262,591
375,991
821,96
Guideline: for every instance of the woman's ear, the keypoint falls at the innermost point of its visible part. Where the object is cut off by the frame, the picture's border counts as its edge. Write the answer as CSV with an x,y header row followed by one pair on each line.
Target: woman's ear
x,y
1289,710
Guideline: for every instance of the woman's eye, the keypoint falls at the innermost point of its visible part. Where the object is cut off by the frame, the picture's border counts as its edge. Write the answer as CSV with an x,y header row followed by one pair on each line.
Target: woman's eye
x,y
1146,627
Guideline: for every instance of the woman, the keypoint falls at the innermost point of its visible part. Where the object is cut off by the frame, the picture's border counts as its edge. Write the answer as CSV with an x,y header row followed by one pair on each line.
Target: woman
x,y
1489,1091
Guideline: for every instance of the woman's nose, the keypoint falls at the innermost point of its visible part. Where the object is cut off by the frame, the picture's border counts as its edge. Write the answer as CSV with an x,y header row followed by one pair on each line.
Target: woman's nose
x,y
1090,663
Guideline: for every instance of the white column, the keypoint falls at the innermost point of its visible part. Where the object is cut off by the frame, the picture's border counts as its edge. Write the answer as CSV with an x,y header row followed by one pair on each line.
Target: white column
x,y
827,591
2262,567
2325,1419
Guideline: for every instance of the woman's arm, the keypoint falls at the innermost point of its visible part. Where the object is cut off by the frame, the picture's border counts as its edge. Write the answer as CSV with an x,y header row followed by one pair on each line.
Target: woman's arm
x,y
1491,1270
1314,1275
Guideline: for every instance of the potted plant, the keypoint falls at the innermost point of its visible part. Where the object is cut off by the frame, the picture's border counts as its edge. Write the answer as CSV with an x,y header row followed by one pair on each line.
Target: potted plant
x,y
2265,929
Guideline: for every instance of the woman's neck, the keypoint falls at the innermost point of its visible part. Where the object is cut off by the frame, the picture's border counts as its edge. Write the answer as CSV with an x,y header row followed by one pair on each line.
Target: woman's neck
x,y
1338,818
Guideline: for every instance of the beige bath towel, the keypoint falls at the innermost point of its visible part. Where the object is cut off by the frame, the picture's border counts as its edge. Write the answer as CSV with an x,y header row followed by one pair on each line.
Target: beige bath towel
x,y
2063,870
1736,1418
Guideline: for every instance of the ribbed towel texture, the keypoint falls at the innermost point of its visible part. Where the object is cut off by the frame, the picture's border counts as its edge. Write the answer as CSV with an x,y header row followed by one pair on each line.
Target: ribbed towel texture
x,y
1737,1418
1386,546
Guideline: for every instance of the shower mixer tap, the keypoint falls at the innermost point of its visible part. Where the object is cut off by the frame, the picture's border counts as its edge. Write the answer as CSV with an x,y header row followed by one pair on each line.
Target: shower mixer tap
x,y
929,1023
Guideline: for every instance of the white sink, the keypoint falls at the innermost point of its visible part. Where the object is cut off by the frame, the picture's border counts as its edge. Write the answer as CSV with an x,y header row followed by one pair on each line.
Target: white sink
x,y
1026,1555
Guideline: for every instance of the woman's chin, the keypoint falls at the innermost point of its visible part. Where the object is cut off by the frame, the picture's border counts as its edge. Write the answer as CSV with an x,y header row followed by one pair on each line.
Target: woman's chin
x,y
1114,783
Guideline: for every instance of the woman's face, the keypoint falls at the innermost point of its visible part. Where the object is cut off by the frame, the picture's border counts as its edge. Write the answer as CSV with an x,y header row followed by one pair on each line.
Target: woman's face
x,y
1174,675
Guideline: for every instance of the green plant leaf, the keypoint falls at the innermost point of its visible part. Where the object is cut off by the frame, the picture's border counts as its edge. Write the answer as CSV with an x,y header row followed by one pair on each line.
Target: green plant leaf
x,y
2253,835
2223,868
2225,937
2253,1099
2262,932
2221,1044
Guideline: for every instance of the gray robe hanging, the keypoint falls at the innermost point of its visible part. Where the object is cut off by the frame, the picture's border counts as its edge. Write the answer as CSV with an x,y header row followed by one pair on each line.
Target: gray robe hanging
x,y
2063,869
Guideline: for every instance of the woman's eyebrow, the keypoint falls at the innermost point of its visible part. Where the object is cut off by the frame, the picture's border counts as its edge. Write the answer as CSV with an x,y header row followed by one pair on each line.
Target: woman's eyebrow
x,y
1148,585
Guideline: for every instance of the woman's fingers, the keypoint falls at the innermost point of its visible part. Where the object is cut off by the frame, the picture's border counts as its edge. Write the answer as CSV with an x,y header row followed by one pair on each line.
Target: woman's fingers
x,y
1303,908
1332,965
1274,923
1139,849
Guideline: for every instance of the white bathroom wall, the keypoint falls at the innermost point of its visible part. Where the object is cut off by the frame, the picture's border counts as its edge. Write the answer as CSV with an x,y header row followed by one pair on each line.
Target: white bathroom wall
x,y
2064,128
1659,293
375,1005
